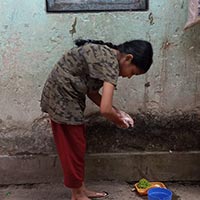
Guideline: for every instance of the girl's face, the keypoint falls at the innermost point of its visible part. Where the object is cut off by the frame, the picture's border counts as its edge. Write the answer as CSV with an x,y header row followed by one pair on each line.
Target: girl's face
x,y
128,69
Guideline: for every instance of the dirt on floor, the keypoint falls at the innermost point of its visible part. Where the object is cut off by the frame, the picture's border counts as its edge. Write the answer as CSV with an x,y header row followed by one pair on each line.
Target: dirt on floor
x,y
116,190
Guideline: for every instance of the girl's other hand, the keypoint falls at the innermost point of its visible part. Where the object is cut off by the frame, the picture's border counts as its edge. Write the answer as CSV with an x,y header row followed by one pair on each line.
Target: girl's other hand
x,y
126,118
123,124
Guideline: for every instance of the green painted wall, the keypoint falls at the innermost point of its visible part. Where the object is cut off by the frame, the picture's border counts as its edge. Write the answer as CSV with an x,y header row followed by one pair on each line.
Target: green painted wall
x,y
31,41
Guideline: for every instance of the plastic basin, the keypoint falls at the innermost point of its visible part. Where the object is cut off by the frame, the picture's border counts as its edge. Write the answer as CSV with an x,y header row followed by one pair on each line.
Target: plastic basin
x,y
159,194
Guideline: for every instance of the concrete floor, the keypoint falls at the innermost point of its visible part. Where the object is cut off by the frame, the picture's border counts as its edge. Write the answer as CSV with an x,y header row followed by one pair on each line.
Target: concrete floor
x,y
117,191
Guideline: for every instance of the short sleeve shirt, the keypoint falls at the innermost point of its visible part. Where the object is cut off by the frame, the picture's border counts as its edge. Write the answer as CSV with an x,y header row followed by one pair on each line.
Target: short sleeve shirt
x,y
80,70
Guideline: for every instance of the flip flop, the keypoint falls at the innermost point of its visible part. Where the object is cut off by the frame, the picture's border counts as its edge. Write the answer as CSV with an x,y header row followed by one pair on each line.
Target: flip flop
x,y
98,195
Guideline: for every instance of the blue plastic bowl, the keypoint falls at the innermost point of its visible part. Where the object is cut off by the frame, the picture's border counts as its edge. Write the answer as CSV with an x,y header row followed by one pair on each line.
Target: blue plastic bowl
x,y
159,194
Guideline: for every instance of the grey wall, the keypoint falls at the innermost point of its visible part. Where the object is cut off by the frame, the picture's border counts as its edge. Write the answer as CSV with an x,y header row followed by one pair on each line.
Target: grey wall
x,y
31,41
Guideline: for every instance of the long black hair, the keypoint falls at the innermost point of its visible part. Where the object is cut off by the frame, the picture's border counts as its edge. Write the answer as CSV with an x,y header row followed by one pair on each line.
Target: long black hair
x,y
141,50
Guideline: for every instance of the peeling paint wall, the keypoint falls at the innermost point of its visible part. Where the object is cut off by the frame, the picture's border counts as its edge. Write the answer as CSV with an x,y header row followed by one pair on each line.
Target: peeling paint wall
x,y
31,41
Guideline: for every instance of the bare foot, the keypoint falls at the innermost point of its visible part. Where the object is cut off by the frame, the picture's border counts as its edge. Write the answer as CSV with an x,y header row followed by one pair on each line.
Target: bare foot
x,y
93,194
79,194
80,198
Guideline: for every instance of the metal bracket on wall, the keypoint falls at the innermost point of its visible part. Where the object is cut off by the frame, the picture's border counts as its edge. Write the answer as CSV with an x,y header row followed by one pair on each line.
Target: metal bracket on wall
x,y
96,5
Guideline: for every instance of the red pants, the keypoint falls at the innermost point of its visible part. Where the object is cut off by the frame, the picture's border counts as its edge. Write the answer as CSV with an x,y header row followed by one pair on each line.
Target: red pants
x,y
71,146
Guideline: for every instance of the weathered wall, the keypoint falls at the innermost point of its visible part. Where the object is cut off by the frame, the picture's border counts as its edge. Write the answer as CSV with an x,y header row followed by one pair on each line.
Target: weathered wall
x,y
31,41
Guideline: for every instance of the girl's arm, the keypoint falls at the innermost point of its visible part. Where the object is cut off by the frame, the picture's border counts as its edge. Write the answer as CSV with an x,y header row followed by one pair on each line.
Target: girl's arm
x,y
95,97
104,101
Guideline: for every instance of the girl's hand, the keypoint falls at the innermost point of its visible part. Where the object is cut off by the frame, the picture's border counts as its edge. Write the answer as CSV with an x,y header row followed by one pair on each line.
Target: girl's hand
x,y
127,120
118,117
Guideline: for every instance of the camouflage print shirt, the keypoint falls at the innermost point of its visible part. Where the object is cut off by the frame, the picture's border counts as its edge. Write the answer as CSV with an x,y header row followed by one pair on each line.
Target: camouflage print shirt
x,y
79,70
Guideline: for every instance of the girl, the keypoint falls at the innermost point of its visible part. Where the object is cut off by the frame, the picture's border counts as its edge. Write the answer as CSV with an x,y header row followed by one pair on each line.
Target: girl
x,y
83,71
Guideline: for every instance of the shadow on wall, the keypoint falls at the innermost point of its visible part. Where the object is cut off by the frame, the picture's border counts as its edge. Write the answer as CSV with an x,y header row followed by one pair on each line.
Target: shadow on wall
x,y
177,132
